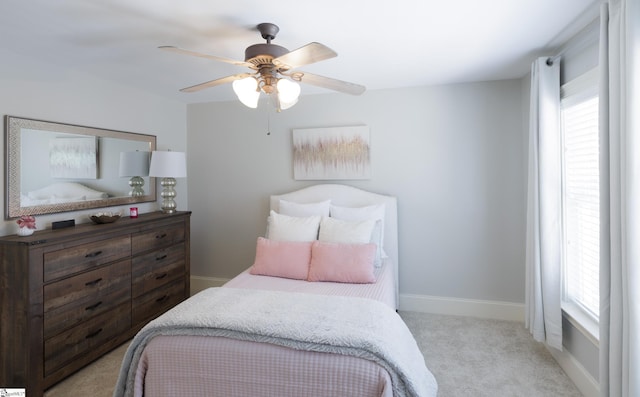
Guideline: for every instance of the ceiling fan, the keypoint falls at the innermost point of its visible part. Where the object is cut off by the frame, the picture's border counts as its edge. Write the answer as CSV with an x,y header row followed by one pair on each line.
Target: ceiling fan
x,y
273,71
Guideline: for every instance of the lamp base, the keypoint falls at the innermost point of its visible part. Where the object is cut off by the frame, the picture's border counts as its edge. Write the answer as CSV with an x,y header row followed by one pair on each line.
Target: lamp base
x,y
136,184
168,194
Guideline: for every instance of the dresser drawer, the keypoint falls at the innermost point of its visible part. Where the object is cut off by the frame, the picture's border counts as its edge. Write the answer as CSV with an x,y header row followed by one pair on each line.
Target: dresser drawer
x,y
66,294
64,347
156,302
74,259
73,300
157,238
157,268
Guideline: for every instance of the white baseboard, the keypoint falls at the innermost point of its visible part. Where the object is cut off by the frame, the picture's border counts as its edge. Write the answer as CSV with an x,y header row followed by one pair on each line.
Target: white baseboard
x,y
462,307
587,385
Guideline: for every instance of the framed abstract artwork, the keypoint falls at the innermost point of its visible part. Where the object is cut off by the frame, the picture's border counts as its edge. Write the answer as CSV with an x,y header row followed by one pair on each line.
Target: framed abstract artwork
x,y
331,153
75,158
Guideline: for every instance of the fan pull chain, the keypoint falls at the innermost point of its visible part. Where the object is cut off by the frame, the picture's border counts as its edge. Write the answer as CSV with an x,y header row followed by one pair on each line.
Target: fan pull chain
x,y
268,108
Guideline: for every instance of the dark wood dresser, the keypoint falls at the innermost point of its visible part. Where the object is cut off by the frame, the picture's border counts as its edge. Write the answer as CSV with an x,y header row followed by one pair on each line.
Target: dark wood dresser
x,y
69,296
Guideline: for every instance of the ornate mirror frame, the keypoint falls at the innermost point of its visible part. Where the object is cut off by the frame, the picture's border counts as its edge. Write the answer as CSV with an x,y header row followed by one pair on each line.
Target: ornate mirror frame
x,y
106,164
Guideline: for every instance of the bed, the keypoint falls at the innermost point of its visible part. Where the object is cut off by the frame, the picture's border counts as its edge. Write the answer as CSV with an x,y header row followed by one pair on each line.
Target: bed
x,y
297,322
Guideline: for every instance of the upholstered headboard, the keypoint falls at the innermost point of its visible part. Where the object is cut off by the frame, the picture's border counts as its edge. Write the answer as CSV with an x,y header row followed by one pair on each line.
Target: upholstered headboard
x,y
349,196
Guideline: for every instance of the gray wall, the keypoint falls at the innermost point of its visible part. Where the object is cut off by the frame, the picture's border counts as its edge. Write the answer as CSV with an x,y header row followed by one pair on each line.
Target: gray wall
x,y
453,156
29,89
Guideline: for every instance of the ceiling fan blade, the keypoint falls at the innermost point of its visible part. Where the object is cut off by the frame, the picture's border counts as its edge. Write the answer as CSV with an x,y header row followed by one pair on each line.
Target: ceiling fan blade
x,y
216,82
200,55
332,84
305,55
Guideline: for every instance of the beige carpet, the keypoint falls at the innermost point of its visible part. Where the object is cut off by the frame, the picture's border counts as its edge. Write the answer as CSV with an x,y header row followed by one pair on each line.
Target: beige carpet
x,y
478,357
468,357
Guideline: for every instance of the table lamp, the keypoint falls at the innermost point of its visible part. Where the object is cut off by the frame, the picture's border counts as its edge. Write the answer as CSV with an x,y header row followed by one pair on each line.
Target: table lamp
x,y
168,166
136,165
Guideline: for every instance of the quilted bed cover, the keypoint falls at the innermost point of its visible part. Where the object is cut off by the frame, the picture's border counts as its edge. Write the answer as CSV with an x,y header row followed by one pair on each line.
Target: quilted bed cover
x,y
222,363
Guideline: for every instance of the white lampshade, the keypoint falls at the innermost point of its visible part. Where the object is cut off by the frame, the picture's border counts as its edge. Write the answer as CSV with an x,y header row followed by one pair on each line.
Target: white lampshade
x,y
288,93
247,91
134,163
168,164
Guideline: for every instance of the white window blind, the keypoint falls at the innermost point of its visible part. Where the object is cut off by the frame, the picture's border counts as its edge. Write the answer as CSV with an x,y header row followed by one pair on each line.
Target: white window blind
x,y
581,198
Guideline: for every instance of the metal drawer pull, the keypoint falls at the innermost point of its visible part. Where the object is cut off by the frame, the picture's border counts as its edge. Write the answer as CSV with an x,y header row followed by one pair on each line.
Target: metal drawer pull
x,y
93,307
93,334
164,298
163,235
93,254
92,283
160,277
161,257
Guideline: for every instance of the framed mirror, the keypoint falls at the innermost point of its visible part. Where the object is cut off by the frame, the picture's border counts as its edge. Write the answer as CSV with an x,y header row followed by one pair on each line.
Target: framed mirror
x,y
54,167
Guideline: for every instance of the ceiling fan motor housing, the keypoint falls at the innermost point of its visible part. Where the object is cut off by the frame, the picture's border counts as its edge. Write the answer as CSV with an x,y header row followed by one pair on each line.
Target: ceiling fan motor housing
x,y
261,54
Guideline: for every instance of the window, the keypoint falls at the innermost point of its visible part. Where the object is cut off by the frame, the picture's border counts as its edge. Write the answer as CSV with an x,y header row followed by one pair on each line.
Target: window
x,y
581,198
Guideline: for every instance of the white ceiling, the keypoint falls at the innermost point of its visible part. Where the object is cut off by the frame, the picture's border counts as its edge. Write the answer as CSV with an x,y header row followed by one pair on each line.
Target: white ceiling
x,y
380,45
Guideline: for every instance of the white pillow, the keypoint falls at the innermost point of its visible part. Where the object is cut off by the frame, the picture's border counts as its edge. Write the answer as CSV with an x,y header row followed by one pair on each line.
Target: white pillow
x,y
304,209
346,232
66,190
290,228
375,212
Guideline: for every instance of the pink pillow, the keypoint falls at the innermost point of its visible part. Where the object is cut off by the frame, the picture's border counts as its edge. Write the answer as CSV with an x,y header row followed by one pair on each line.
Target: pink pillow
x,y
288,259
344,263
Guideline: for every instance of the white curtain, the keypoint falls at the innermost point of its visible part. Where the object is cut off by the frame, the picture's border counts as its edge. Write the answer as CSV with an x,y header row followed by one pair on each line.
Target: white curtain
x,y
543,246
620,199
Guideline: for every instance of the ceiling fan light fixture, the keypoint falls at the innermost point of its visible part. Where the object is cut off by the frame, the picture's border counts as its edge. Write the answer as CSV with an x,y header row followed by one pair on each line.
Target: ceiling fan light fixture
x,y
247,91
288,93
268,62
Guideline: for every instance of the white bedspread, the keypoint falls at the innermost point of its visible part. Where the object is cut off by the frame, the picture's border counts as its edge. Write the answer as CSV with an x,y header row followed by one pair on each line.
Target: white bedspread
x,y
345,325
